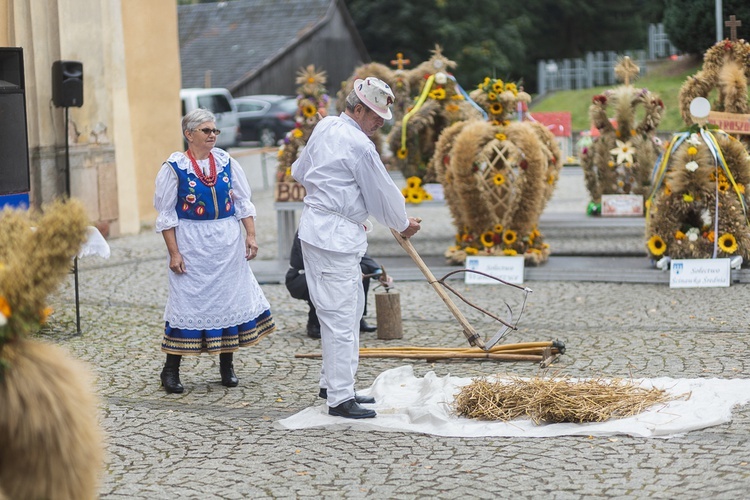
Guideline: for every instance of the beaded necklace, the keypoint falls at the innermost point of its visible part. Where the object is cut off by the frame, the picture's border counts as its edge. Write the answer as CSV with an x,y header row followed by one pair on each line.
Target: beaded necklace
x,y
209,180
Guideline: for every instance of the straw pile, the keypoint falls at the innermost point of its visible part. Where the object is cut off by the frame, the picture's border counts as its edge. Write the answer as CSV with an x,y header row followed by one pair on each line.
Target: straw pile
x,y
553,400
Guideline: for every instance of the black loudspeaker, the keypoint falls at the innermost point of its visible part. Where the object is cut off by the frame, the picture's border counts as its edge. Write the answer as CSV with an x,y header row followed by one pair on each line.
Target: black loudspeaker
x,y
67,84
14,145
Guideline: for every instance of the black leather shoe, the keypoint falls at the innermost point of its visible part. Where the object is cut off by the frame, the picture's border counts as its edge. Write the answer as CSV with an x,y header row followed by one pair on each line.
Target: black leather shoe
x,y
364,327
170,375
351,409
367,400
170,379
226,369
313,331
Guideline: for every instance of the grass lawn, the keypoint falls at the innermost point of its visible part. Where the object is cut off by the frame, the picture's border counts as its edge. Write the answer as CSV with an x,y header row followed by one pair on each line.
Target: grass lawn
x,y
663,78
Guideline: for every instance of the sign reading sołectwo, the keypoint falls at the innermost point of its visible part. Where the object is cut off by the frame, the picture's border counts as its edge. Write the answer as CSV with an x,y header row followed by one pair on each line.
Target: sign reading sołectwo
x,y
699,273
508,269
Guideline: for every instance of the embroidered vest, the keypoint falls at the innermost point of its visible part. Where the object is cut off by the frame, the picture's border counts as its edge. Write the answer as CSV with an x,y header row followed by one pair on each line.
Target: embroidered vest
x,y
197,201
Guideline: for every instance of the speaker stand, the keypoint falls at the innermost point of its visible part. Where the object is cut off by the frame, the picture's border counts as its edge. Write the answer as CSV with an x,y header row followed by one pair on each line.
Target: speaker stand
x,y
67,191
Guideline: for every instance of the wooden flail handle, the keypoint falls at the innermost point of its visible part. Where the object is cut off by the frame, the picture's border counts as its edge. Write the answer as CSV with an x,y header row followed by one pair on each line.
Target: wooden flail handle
x,y
471,334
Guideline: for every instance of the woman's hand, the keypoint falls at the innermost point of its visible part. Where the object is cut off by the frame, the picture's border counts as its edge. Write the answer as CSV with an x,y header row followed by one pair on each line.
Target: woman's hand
x,y
251,248
176,264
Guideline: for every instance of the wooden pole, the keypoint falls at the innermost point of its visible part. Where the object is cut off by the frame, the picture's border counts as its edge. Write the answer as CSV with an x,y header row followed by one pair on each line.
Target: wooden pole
x,y
471,334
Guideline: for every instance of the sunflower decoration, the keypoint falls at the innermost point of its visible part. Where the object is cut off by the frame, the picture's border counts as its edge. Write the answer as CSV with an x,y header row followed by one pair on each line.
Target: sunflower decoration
x,y
728,243
656,246
312,103
705,211
437,102
504,169
620,160
414,192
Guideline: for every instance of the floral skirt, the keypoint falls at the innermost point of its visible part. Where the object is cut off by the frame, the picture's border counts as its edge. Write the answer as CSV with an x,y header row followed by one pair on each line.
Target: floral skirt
x,y
182,341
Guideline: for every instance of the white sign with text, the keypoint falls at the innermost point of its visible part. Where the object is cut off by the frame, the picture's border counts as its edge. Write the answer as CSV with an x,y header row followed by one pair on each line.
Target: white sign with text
x,y
622,205
699,273
508,269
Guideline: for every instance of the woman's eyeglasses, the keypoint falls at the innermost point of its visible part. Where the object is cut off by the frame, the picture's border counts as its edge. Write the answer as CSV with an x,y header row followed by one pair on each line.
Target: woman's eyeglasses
x,y
208,131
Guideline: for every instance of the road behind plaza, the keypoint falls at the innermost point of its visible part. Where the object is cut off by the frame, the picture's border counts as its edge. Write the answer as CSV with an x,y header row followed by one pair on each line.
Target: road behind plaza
x,y
214,442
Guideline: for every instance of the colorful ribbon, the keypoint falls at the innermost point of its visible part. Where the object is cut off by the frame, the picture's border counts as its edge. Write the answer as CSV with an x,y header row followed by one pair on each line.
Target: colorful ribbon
x,y
417,106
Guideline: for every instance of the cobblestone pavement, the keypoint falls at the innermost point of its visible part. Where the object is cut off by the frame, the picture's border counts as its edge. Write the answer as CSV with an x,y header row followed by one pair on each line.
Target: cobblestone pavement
x,y
214,442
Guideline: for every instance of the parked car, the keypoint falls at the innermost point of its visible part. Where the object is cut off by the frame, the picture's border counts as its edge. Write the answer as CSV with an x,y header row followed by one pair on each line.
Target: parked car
x,y
266,118
218,101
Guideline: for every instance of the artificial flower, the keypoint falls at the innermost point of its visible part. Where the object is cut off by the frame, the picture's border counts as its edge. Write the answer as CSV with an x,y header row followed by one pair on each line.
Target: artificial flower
x,y
498,228
692,151
487,239
706,217
288,171
727,243
440,78
44,314
309,111
512,87
415,196
496,108
509,237
491,96
695,140
679,235
509,251
498,179
710,236
438,94
452,108
498,86
599,99
401,153
691,166
297,133
471,251
5,309
500,136
656,245
692,234
723,187
413,182
688,198
623,152
667,190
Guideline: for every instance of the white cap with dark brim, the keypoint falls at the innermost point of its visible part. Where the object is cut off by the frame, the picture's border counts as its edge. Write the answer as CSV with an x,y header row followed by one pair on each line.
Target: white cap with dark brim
x,y
376,95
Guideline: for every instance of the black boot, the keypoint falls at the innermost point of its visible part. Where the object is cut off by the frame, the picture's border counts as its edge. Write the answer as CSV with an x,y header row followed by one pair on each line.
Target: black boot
x,y
170,375
226,368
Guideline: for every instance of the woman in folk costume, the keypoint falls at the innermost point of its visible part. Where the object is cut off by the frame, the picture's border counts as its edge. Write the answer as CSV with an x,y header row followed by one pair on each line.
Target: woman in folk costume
x,y
215,304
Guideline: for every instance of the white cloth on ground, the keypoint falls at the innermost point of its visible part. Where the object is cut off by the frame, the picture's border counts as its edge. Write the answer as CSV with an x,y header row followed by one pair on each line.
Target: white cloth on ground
x,y
406,403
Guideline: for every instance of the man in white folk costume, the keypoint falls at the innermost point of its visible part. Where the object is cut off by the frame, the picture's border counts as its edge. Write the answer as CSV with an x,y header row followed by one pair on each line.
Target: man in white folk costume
x,y
345,182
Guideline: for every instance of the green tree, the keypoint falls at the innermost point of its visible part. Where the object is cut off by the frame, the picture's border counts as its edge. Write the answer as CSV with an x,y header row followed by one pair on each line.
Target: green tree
x,y
691,24
502,38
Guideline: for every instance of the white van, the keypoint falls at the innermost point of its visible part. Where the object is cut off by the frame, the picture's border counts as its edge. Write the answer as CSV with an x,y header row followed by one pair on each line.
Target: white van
x,y
218,101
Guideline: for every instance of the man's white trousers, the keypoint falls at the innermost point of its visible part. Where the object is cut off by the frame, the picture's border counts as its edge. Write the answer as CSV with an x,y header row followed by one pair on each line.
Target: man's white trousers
x,y
334,280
